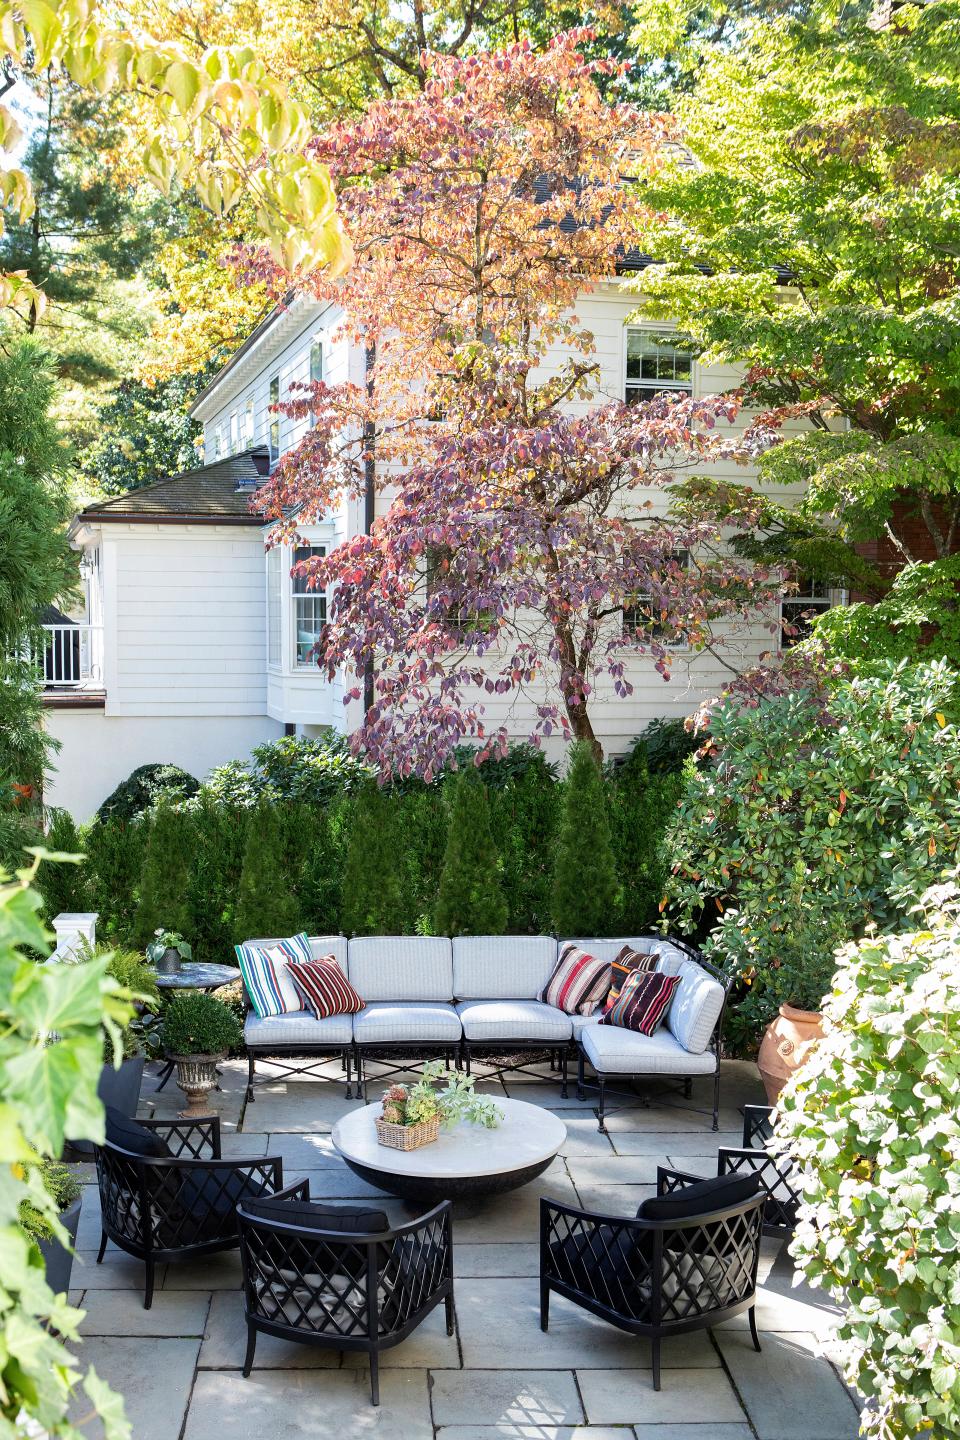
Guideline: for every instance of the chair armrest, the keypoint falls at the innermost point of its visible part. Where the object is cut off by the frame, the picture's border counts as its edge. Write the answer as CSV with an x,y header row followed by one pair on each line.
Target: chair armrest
x,y
757,1125
296,1190
670,1180
192,1137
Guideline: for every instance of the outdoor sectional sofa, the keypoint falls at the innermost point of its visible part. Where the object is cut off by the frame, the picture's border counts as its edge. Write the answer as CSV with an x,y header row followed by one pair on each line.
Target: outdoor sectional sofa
x,y
475,996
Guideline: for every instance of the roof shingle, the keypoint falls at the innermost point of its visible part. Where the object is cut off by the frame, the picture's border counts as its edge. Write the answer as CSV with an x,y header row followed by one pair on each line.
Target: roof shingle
x,y
211,494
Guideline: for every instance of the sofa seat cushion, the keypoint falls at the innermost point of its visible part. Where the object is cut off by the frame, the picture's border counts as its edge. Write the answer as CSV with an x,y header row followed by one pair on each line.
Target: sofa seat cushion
x,y
695,1007
401,967
302,1028
496,1020
580,1022
611,1050
409,1021
502,967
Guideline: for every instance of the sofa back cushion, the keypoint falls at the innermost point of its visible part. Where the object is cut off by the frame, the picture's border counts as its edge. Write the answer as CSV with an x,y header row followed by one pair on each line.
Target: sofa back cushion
x,y
323,945
502,967
401,967
608,949
696,1004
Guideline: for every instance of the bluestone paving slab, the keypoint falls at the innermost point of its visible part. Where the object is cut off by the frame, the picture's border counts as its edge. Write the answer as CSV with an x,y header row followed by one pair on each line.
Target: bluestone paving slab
x,y
787,1313
428,1348
627,1397
206,1272
118,1271
614,1199
547,1094
788,1391
661,1143
500,1319
484,1261
298,1405
583,1137
154,1377
225,1341
509,1431
121,1312
296,1108
304,1152
613,1170
244,1144
694,1432
334,1182
506,1397
513,1217
89,1226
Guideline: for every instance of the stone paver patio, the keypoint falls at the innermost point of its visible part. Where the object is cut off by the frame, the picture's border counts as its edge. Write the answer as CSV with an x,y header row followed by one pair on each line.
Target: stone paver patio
x,y
178,1365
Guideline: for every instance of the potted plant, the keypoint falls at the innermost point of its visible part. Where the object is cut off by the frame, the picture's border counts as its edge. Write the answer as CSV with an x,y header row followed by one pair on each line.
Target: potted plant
x,y
412,1117
166,951
61,1184
197,1032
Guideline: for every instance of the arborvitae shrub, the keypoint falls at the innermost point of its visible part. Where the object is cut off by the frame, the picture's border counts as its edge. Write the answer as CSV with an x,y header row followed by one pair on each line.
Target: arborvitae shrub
x,y
585,897
422,820
266,900
373,898
470,900
165,881
523,817
116,852
62,885
641,804
220,839
316,834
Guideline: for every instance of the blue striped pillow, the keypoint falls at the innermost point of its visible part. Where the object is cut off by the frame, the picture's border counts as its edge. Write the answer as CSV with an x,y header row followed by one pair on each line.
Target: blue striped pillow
x,y
263,965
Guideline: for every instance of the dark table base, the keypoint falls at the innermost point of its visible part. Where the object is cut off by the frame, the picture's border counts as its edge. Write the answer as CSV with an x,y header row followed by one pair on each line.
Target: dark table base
x,y
460,1187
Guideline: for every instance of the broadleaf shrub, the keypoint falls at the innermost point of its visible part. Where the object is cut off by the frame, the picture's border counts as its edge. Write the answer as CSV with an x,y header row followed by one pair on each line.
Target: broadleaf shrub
x,y
871,1122
807,828
144,787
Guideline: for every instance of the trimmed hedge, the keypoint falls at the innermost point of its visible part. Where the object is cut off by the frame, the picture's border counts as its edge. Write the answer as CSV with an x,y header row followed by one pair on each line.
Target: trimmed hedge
x,y
321,821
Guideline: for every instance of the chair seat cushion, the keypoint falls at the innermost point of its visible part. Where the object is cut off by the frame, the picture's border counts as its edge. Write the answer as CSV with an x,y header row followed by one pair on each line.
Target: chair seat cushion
x,y
407,1021
127,1134
700,1197
303,1028
612,1051
347,1219
513,1020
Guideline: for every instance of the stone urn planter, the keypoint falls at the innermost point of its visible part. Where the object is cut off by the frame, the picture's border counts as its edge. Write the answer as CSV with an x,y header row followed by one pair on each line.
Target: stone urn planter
x,y
786,1043
57,1259
196,1076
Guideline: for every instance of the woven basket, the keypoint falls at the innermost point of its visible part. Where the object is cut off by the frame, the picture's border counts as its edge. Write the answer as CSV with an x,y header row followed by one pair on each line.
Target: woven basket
x,y
407,1137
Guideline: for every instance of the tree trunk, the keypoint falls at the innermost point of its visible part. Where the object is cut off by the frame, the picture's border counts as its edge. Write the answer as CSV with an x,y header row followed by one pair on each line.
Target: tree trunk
x,y
582,726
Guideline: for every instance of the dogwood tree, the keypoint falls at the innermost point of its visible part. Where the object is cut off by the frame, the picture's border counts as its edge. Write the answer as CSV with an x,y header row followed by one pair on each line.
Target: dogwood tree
x,y
522,546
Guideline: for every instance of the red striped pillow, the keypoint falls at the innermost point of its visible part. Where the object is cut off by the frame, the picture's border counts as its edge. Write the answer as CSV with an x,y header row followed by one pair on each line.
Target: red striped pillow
x,y
579,982
643,1002
324,988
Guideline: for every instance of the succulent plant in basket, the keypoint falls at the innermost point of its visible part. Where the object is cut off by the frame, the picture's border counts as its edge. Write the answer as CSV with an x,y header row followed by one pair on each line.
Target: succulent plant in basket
x,y
197,1032
413,1117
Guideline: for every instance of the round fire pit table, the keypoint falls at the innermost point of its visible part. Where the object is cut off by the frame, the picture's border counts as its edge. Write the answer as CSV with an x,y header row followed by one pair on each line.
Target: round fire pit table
x,y
468,1161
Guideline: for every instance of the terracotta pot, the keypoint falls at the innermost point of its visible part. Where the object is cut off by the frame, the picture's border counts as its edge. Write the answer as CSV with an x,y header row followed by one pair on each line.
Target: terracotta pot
x,y
786,1043
196,1076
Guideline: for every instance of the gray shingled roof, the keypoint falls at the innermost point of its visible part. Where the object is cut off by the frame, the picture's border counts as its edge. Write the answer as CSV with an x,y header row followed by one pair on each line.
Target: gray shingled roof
x,y
208,494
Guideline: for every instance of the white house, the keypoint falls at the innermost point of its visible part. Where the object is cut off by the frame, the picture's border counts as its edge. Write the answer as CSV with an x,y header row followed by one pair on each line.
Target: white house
x,y
194,644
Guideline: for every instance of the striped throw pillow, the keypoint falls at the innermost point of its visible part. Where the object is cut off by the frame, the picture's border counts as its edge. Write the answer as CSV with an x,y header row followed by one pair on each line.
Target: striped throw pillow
x,y
579,982
324,988
643,1002
626,962
263,966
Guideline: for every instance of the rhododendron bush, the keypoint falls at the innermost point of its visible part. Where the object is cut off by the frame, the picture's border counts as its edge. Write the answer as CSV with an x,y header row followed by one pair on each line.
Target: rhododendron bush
x,y
526,511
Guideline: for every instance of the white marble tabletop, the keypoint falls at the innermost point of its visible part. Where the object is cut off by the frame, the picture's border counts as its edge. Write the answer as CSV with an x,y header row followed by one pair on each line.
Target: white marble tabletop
x,y
526,1135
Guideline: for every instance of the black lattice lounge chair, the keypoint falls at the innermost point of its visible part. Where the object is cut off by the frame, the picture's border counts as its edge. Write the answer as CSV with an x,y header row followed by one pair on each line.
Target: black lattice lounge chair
x,y
166,1193
339,1276
774,1172
686,1262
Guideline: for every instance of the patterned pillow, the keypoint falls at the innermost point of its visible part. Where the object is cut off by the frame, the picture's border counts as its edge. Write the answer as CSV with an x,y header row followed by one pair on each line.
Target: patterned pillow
x,y
324,988
643,1002
626,962
579,982
264,970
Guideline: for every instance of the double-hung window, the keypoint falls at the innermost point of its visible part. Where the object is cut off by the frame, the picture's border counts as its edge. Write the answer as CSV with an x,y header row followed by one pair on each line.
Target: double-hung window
x,y
309,606
799,609
274,431
316,369
656,364
248,423
644,620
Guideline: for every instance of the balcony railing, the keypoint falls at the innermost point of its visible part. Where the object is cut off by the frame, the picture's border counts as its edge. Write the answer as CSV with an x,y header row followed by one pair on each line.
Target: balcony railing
x,y
72,658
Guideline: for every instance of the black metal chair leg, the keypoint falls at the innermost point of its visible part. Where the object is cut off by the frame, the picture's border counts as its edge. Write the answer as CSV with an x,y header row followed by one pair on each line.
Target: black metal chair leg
x,y
656,1363
251,1071
103,1246
563,1075
451,1314
716,1098
752,1316
251,1347
580,1075
544,1306
148,1291
467,1059
374,1378
347,1065
687,1088
602,1087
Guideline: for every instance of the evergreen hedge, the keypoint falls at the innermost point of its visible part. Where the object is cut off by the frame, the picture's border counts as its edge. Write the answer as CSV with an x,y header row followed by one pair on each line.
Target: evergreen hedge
x,y
470,900
586,891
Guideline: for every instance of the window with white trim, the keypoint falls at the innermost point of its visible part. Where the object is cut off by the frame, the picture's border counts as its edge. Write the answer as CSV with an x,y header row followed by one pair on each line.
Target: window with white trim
x,y
655,364
234,432
309,606
800,608
218,447
274,431
248,423
316,368
642,622
275,606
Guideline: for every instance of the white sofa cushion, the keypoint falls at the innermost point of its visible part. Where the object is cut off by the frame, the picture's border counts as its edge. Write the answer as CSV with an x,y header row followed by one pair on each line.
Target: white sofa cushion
x,y
401,967
502,967
612,1050
580,1022
385,1021
607,949
321,946
495,1020
300,1028
695,1007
